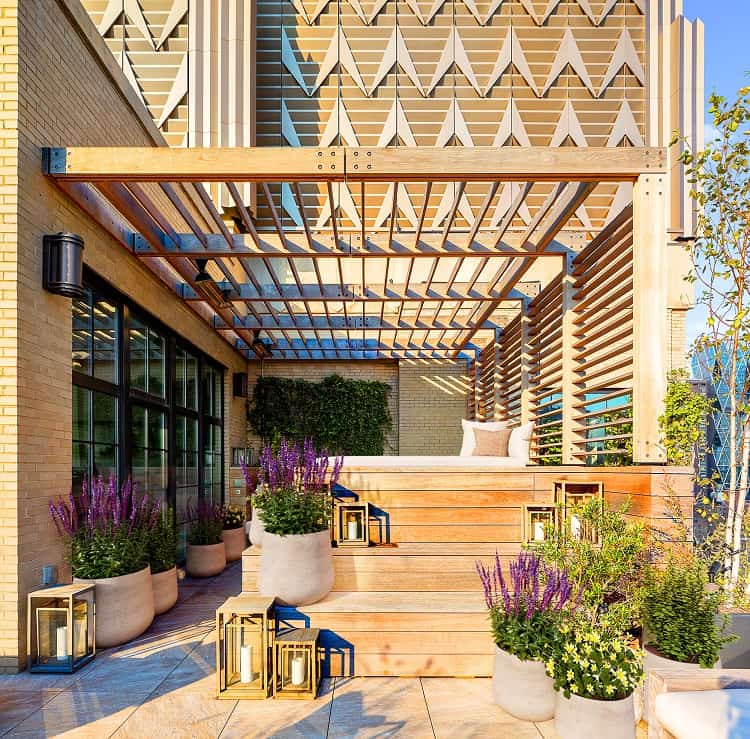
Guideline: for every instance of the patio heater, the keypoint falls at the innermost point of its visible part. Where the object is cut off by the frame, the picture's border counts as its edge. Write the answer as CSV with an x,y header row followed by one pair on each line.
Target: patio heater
x,y
61,628
244,647
297,664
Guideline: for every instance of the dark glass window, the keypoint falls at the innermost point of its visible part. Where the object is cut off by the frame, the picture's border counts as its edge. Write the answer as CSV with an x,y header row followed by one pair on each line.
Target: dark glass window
x,y
95,338
95,443
149,450
148,363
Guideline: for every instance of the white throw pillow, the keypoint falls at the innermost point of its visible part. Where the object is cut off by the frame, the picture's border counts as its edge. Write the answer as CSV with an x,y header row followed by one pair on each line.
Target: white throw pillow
x,y
520,441
469,442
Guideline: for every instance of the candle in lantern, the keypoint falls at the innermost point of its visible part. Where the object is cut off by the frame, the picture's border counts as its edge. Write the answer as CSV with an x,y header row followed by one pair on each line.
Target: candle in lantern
x,y
62,643
352,528
246,664
298,670
575,527
538,530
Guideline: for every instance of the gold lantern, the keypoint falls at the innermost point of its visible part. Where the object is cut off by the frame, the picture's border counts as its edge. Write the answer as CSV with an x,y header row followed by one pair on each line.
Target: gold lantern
x,y
352,524
61,624
297,664
572,496
244,647
537,521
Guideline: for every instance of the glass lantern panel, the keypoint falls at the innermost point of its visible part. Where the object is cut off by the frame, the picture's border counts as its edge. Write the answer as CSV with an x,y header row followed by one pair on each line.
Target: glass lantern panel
x,y
354,524
540,522
244,653
80,628
296,674
52,636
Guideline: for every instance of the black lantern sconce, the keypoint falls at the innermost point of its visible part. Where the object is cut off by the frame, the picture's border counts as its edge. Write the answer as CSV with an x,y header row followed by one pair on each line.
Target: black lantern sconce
x,y
63,265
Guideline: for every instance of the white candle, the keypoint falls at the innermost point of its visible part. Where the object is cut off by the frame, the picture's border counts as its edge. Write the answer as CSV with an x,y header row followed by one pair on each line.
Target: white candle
x,y
246,664
298,671
62,643
352,529
538,530
80,634
575,527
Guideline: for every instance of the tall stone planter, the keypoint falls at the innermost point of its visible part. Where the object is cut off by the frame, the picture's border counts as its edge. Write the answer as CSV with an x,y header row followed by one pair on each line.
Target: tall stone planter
x,y
256,529
234,543
164,585
205,560
298,569
522,688
586,718
124,607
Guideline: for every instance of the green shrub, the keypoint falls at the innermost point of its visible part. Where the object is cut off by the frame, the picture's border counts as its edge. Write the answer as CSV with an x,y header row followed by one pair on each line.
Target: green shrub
x,y
680,614
162,543
288,510
207,523
109,554
234,516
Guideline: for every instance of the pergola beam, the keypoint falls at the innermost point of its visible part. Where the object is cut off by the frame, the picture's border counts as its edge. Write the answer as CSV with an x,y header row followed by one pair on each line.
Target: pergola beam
x,y
340,323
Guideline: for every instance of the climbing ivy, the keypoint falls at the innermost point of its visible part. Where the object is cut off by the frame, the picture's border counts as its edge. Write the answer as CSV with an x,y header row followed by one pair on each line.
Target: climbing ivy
x,y
342,415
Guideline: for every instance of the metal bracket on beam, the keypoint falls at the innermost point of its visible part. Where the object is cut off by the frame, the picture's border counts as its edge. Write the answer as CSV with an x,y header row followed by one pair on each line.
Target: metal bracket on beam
x,y
55,160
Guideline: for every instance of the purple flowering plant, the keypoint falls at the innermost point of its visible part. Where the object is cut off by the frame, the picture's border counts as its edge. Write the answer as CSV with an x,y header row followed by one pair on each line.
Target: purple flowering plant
x,y
527,606
107,527
207,523
293,494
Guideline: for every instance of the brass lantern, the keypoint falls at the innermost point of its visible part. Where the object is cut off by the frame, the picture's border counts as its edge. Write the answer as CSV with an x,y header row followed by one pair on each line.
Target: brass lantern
x,y
297,664
61,625
244,647
537,521
352,524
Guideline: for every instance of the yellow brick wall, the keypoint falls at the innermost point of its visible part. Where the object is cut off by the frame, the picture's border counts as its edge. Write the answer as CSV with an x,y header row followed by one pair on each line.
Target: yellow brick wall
x,y
67,91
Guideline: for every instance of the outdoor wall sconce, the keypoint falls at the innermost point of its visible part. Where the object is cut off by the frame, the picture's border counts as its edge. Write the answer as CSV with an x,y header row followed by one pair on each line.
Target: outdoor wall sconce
x,y
61,628
244,647
239,384
537,522
297,664
62,264
572,496
352,524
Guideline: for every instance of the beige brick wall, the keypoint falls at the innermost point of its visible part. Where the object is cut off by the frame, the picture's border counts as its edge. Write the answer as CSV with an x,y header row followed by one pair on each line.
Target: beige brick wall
x,y
433,398
67,91
677,339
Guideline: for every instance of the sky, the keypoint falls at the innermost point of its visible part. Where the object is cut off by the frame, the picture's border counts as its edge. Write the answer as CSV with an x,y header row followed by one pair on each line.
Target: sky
x,y
727,61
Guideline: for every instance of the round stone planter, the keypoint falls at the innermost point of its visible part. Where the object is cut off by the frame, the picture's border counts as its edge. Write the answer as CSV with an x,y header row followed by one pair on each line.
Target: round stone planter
x,y
297,570
234,543
522,688
205,560
164,585
256,530
124,607
654,661
585,718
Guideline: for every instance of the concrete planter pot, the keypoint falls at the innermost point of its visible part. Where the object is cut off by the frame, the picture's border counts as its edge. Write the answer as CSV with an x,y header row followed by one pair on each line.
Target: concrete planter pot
x,y
736,655
234,543
205,560
585,718
124,607
297,570
164,585
256,529
654,661
522,688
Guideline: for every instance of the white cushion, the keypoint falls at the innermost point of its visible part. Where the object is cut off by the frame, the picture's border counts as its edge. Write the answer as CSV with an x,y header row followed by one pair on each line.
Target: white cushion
x,y
705,714
469,442
520,441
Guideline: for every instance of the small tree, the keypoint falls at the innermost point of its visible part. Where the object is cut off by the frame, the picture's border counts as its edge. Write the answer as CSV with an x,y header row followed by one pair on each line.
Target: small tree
x,y
720,181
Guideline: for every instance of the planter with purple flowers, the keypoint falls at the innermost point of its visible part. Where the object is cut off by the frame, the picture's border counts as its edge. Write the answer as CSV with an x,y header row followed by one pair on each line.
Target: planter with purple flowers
x,y
524,613
107,530
206,554
293,498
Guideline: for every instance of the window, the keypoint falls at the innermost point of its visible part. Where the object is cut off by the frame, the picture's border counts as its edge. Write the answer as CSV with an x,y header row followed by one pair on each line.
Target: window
x,y
147,359
149,450
95,444
95,338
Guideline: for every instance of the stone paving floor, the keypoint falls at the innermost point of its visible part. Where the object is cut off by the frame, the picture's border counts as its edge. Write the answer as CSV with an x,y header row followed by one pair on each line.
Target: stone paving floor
x,y
162,685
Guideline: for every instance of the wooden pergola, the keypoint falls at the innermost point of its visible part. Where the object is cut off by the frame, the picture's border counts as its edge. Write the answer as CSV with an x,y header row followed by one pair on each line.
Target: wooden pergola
x,y
329,284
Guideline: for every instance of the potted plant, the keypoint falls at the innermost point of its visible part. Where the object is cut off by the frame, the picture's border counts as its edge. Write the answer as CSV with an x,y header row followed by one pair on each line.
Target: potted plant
x,y
107,530
233,533
524,614
255,526
296,564
162,554
595,675
206,554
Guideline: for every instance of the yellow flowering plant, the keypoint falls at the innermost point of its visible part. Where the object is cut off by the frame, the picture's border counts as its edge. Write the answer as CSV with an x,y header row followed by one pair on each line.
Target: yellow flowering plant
x,y
594,664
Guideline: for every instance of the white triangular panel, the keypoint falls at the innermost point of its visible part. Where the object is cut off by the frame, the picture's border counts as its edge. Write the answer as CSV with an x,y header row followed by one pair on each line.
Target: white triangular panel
x,y
511,125
454,124
625,127
585,6
641,5
288,131
403,202
176,14
606,10
491,10
569,54
583,216
624,55
342,198
289,204
133,12
529,7
446,203
396,52
289,60
434,10
511,52
472,8
568,126
339,52
339,123
396,124
301,11
548,12
178,91
127,68
317,10
507,195
414,7
623,197
376,8
454,53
